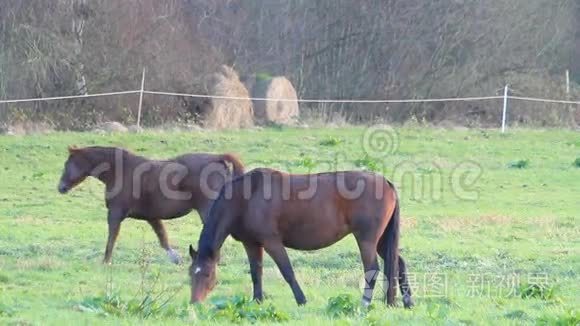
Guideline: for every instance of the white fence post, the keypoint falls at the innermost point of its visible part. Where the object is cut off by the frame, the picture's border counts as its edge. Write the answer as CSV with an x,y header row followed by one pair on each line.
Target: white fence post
x,y
141,99
505,105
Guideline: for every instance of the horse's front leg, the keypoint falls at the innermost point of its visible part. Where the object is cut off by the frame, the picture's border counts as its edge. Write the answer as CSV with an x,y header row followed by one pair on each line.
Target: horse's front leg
x,y
114,219
278,253
159,229
255,258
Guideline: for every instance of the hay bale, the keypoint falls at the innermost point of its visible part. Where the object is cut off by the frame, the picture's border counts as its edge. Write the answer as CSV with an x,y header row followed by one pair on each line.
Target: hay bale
x,y
225,113
279,112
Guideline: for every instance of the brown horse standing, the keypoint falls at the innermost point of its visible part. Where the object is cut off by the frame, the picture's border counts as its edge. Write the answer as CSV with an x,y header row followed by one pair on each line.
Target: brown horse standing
x,y
149,190
269,210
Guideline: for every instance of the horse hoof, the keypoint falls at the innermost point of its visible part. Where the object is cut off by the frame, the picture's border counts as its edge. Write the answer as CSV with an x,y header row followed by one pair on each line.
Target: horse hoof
x,y
174,257
408,302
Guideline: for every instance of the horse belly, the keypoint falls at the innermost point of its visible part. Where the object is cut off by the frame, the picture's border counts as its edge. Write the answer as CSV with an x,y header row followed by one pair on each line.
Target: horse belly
x,y
314,236
166,209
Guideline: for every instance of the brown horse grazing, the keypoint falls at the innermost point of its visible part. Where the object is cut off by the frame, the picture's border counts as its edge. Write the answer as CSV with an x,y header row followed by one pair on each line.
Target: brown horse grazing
x,y
270,210
149,190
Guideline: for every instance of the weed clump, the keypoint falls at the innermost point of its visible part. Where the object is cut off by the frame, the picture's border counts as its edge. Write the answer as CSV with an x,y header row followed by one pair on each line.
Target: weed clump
x,y
240,309
331,142
342,305
6,311
369,163
306,162
519,164
114,305
569,318
538,291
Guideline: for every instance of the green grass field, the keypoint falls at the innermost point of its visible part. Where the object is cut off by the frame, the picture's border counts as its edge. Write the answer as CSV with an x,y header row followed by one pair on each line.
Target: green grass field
x,y
490,232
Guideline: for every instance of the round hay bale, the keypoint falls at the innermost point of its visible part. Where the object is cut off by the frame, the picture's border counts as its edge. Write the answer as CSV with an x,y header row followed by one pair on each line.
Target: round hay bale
x,y
225,113
279,112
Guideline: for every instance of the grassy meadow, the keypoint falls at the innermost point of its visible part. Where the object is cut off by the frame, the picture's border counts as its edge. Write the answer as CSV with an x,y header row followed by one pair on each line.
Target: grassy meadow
x,y
490,232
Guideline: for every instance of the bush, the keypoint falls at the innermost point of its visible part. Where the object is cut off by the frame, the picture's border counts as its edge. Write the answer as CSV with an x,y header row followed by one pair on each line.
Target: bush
x,y
577,162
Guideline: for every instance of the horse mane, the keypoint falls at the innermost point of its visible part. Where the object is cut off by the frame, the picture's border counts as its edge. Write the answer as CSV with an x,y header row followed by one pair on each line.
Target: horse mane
x,y
207,240
102,153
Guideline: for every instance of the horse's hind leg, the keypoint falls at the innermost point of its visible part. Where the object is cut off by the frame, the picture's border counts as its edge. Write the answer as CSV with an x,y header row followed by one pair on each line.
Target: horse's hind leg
x,y
159,229
371,268
278,253
404,284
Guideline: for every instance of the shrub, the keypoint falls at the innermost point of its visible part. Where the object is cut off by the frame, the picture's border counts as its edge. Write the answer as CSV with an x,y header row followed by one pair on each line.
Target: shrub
x,y
577,162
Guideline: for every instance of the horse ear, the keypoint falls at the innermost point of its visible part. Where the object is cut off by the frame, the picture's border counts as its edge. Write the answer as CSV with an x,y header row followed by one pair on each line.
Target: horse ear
x,y
72,149
192,252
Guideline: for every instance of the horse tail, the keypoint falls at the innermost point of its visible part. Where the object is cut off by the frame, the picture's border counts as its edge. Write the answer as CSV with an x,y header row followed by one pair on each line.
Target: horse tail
x,y
388,249
237,165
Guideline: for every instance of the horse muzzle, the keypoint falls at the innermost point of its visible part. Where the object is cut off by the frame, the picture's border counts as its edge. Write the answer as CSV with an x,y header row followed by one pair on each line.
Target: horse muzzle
x,y
63,188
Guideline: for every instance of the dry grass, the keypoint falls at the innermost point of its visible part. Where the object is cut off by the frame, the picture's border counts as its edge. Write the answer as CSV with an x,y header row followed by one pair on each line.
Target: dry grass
x,y
42,263
26,128
456,224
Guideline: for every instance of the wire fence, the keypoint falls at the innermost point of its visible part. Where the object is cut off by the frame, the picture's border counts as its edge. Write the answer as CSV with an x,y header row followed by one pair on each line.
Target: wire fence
x,y
507,97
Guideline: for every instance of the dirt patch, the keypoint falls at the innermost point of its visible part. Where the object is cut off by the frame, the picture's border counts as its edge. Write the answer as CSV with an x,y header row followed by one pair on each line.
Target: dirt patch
x,y
43,264
408,223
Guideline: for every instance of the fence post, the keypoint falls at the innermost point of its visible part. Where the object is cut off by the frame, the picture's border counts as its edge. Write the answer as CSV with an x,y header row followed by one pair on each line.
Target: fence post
x,y
568,84
141,99
505,106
